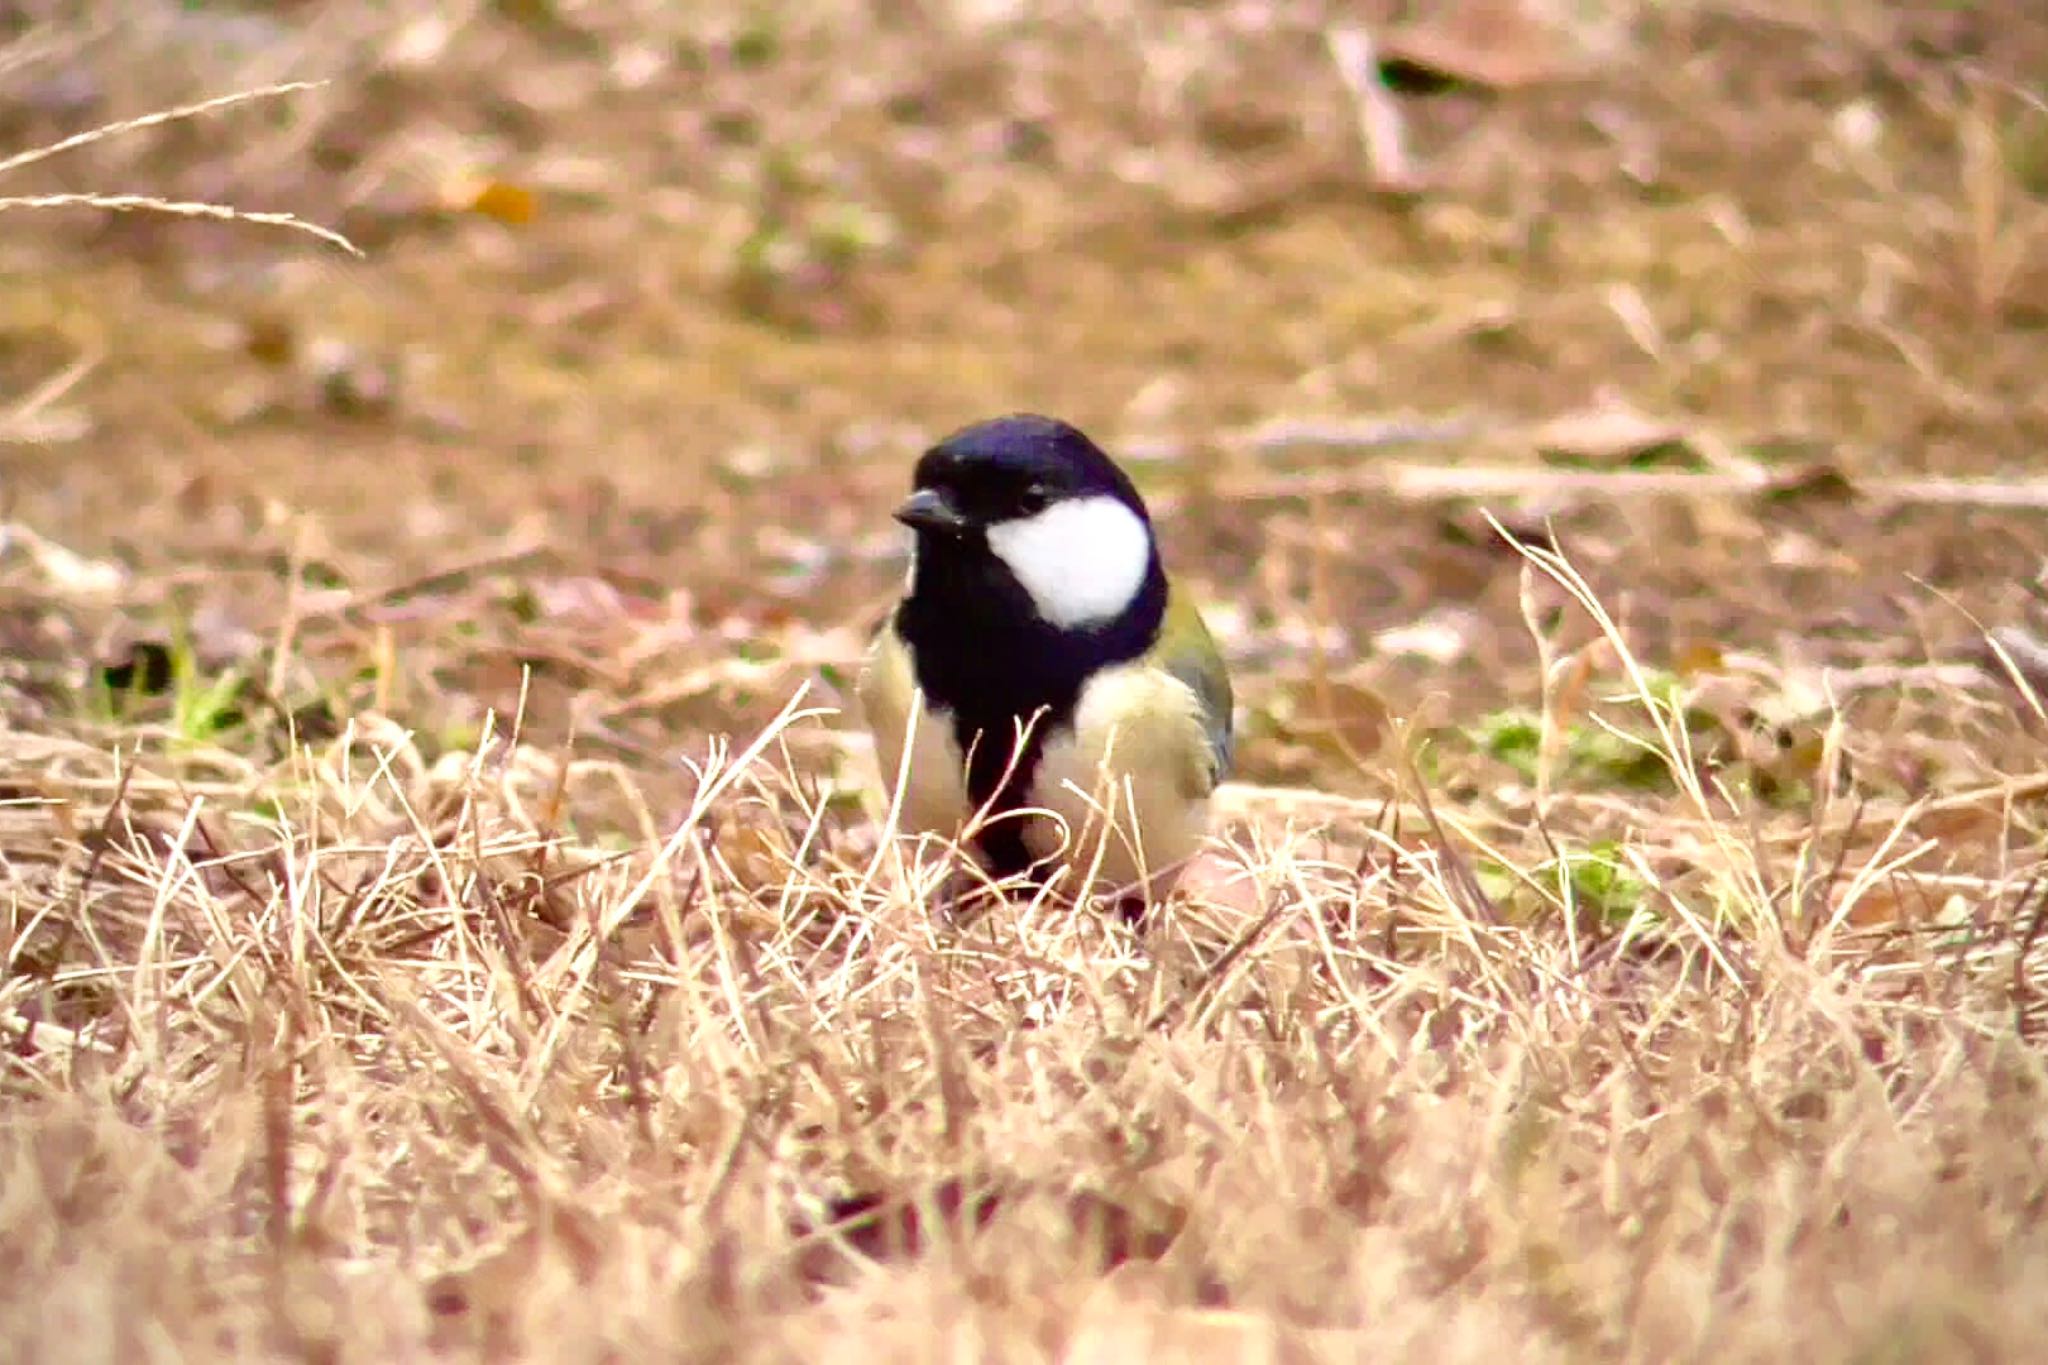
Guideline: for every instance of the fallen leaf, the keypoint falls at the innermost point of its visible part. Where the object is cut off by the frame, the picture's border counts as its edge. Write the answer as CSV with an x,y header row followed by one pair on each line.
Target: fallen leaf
x,y
1341,714
1697,656
270,339
1611,437
1827,482
487,196
513,205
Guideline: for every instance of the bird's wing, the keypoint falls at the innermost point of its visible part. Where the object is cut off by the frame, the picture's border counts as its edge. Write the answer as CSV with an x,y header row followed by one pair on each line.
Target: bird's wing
x,y
1186,651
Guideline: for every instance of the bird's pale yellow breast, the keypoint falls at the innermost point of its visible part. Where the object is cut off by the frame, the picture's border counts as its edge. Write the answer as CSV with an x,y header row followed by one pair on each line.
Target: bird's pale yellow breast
x,y
1130,778
934,792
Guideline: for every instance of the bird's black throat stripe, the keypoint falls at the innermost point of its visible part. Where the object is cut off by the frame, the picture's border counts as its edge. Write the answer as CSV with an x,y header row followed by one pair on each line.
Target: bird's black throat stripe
x,y
982,653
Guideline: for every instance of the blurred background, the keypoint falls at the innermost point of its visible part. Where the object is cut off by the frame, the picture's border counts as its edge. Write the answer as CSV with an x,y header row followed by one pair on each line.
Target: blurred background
x,y
657,304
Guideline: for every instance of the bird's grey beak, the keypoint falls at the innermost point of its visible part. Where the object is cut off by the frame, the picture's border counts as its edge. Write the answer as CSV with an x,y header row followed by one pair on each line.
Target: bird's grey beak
x,y
930,510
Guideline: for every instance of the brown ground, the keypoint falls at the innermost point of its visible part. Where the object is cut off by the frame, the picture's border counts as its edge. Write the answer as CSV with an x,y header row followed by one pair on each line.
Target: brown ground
x,y
337,1027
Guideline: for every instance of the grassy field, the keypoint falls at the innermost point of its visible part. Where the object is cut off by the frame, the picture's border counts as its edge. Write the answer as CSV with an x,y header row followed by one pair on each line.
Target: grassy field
x,y
443,913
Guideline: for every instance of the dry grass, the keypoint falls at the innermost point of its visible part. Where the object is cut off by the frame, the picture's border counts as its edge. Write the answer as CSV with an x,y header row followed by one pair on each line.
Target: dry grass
x,y
145,203
359,1056
439,918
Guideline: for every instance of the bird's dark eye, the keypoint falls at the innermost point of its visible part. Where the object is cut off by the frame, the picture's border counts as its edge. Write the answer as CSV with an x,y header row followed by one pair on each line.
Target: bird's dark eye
x,y
1033,498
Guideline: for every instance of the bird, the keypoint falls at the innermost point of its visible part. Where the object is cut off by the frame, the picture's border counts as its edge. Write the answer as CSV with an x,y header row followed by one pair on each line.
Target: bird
x,y
1040,663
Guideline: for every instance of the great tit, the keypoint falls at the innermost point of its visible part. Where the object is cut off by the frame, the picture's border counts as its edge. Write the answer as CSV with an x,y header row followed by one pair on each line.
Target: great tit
x,y
1036,608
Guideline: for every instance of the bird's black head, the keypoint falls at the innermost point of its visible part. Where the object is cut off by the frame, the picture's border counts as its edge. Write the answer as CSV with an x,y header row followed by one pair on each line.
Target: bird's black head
x,y
1007,469
1035,567
1026,517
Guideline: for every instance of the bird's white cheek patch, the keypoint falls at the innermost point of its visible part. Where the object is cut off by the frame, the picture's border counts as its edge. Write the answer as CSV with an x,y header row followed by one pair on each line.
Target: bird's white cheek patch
x,y
1082,561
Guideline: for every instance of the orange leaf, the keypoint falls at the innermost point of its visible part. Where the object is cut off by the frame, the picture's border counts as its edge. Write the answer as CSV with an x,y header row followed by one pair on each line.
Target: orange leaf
x,y
501,200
